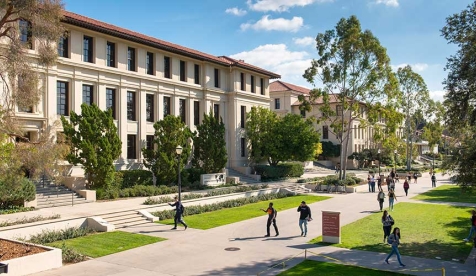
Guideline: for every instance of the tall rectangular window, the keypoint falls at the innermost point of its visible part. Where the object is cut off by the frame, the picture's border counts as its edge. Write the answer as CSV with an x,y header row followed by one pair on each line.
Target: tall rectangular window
x,y
325,132
88,49
149,142
262,86
339,110
131,59
166,106
111,101
131,106
216,111
182,109
242,81
131,147
63,46
243,147
243,116
196,73
167,68
217,78
88,94
277,104
183,66
150,63
111,54
149,107
252,83
196,113
62,98
25,33
303,113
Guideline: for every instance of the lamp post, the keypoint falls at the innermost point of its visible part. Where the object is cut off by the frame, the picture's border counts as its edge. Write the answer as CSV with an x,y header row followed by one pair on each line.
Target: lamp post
x,y
178,150
395,160
378,152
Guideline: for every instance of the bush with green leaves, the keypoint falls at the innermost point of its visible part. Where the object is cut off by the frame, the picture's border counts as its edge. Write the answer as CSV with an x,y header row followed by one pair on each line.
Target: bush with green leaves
x,y
25,190
15,209
26,220
131,178
70,255
49,236
279,171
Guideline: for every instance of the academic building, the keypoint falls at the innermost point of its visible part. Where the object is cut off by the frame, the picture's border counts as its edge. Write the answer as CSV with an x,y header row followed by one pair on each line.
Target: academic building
x,y
143,79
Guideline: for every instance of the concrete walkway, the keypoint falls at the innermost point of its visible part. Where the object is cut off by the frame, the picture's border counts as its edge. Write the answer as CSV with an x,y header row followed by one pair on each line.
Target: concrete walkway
x,y
198,252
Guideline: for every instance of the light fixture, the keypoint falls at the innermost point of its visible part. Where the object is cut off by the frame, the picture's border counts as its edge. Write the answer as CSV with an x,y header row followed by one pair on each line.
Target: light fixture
x,y
178,150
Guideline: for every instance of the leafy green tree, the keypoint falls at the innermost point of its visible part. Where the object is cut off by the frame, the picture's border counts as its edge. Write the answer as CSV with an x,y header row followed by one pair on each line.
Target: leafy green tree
x,y
329,149
162,160
354,70
209,145
95,143
259,125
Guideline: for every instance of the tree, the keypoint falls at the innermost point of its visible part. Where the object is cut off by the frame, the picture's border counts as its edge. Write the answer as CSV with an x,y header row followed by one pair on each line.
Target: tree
x,y
329,149
355,72
209,145
433,130
95,143
259,124
162,160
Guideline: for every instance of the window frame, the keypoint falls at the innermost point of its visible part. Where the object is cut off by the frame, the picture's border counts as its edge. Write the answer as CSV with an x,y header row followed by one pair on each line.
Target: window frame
x,y
183,70
277,103
243,147
88,52
111,101
242,82
183,110
243,116
149,107
131,146
216,111
131,59
216,74
252,83
26,35
131,106
111,54
196,73
65,102
325,132
167,69
196,113
149,63
166,106
87,94
149,142
262,86
63,46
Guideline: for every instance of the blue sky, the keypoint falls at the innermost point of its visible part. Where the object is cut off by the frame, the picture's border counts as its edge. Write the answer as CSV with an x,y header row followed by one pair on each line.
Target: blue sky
x,y
278,34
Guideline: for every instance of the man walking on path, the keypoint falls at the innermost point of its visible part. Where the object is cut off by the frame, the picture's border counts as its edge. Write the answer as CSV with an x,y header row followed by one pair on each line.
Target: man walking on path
x,y
433,180
178,213
271,219
304,217
472,230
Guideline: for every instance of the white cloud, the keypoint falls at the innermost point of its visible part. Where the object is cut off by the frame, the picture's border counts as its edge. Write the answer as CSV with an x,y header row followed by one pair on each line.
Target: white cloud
x,y
280,5
390,3
304,41
417,67
437,95
278,24
236,11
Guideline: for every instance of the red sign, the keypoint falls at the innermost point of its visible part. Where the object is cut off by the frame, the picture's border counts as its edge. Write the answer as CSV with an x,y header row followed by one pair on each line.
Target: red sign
x,y
331,224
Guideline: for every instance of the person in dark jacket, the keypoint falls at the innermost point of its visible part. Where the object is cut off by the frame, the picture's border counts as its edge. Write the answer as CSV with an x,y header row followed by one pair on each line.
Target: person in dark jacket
x,y
304,217
178,213
472,230
271,219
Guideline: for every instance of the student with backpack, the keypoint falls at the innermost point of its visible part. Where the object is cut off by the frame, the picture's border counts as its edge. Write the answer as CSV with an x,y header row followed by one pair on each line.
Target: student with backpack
x,y
391,198
472,230
394,240
179,209
272,213
387,222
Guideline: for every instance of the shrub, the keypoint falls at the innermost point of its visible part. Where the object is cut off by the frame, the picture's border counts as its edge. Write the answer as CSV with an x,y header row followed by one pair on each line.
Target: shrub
x,y
132,178
49,236
28,220
69,255
15,209
279,171
191,175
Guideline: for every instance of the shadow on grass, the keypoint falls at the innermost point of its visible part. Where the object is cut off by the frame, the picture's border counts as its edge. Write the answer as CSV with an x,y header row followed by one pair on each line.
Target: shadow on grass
x,y
448,193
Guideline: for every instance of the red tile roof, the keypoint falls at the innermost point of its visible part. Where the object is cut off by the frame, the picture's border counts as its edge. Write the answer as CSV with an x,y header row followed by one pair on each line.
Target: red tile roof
x,y
102,27
277,86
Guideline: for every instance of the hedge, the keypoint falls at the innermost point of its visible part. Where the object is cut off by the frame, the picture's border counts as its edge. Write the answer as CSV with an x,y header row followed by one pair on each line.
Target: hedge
x,y
279,171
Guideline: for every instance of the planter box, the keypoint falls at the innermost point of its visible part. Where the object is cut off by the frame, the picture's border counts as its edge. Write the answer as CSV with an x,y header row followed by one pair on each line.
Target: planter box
x,y
33,263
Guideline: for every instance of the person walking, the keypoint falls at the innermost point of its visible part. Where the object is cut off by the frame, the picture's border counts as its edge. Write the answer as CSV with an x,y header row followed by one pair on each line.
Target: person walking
x,y
304,217
391,198
406,186
369,179
271,219
394,240
433,180
178,213
472,230
387,222
396,178
372,184
381,199
379,183
388,180
415,177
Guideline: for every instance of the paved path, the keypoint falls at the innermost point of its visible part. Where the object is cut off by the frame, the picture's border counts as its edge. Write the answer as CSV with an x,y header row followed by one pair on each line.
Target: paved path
x,y
197,252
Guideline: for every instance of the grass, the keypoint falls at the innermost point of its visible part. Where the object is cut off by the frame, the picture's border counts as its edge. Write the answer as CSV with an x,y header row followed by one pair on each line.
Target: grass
x,y
102,244
226,216
428,231
447,193
311,268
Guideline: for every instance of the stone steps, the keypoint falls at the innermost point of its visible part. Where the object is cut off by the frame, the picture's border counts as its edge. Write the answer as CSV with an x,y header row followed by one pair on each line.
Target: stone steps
x,y
125,219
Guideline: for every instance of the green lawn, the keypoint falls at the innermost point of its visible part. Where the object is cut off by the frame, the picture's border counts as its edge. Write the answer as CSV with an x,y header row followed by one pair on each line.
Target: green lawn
x,y
226,216
102,244
447,193
427,230
311,268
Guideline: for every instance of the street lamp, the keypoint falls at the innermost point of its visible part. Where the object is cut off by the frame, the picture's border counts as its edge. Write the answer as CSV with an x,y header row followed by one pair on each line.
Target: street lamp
x,y
179,150
378,152
395,160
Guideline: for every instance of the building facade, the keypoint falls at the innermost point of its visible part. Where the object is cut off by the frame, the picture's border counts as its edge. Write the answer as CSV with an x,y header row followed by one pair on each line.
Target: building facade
x,y
143,79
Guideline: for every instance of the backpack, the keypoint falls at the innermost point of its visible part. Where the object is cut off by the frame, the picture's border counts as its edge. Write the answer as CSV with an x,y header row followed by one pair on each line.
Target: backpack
x,y
182,208
391,239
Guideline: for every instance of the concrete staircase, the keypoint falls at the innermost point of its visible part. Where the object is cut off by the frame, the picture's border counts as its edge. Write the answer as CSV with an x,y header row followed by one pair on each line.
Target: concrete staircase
x,y
50,195
296,188
124,219
243,177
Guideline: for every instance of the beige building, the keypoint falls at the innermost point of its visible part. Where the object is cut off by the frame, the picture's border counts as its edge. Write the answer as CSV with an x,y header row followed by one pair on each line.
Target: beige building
x,y
143,79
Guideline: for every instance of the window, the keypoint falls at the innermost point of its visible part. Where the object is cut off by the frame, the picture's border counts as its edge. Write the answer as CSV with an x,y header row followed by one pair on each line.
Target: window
x,y
25,33
150,63
131,147
243,116
196,73
243,147
111,54
339,110
167,67
166,106
88,49
242,81
62,98
131,106
303,113
216,111
88,94
277,104
149,107
28,109
217,78
63,46
182,70
196,113
111,101
325,132
131,59
253,84
182,109
262,86
149,142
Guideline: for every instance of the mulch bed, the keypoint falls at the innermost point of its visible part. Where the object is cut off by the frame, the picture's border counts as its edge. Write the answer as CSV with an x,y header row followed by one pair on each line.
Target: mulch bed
x,y
11,250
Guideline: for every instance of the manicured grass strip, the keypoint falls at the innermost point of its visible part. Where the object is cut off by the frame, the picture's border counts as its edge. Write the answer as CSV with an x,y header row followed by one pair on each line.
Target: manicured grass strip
x,y
226,216
102,244
427,230
312,268
447,193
